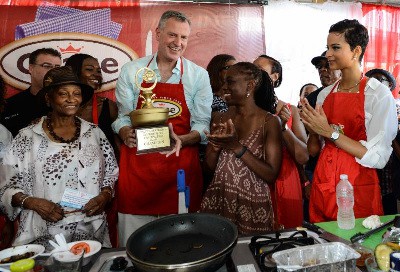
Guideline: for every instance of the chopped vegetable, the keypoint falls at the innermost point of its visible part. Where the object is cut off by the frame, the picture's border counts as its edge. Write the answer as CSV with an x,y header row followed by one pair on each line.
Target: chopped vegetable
x,y
79,247
382,256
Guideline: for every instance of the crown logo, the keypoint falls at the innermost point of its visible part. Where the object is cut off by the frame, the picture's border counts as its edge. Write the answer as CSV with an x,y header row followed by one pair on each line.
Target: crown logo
x,y
70,49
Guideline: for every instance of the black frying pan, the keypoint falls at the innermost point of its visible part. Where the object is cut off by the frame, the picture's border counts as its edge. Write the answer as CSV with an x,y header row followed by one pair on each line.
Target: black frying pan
x,y
184,242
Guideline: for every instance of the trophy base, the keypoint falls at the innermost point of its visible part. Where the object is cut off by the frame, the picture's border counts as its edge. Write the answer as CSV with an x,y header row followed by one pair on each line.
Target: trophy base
x,y
152,139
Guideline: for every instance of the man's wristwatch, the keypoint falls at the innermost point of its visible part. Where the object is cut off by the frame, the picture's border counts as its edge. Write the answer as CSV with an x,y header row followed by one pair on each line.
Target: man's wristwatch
x,y
335,135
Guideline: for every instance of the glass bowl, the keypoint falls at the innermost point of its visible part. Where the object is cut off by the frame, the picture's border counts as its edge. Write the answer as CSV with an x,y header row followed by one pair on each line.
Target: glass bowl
x,y
371,265
364,252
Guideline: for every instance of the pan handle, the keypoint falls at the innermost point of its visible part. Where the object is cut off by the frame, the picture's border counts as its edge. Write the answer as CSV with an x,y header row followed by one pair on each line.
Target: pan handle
x,y
181,180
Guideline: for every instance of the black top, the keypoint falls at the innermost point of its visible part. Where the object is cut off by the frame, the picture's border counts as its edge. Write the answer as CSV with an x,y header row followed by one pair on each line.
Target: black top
x,y
105,122
312,97
312,100
21,109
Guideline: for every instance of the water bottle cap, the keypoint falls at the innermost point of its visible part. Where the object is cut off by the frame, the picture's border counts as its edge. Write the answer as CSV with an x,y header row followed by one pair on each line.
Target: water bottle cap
x,y
343,176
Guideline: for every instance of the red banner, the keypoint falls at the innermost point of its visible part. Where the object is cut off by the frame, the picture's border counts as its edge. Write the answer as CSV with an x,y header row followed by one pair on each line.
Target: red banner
x,y
130,30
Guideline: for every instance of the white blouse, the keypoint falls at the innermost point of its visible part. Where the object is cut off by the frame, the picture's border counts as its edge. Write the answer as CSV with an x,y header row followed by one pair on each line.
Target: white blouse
x,y
380,122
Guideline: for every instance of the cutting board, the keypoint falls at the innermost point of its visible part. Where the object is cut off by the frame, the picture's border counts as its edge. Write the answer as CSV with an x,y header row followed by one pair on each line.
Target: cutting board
x,y
371,242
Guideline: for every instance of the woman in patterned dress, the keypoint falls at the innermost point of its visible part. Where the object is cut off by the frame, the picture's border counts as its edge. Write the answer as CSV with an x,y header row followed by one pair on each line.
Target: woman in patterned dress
x,y
245,149
61,153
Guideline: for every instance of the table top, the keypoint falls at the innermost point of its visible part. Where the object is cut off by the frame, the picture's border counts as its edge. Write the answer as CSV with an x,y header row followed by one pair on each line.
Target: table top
x,y
370,242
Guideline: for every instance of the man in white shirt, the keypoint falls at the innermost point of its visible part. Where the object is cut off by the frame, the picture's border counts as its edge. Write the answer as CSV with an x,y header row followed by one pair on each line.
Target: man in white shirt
x,y
147,186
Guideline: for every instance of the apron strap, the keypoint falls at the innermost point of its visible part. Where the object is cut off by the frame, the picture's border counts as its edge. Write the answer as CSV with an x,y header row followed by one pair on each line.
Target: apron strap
x,y
180,80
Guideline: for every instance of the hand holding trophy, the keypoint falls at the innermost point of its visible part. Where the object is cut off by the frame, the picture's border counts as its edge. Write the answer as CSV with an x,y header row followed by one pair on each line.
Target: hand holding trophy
x,y
149,122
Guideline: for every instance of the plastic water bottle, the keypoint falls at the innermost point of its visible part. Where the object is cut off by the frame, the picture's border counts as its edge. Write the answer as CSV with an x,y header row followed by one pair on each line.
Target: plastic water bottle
x,y
345,202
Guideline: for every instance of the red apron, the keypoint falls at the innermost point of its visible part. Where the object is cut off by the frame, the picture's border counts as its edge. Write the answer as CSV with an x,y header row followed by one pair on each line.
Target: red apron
x,y
287,198
147,183
347,111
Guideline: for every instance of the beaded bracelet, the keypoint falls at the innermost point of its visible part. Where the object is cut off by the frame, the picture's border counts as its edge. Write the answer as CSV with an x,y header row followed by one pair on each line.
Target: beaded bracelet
x,y
241,153
23,200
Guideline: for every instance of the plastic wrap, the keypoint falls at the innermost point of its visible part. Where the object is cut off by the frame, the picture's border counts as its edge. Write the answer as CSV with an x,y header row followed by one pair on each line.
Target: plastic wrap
x,y
329,257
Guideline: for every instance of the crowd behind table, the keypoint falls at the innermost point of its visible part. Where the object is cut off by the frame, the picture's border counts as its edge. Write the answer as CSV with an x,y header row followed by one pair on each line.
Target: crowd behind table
x,y
247,156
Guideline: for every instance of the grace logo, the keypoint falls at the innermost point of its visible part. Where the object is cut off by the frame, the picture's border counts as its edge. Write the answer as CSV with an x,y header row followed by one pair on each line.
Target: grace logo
x,y
111,54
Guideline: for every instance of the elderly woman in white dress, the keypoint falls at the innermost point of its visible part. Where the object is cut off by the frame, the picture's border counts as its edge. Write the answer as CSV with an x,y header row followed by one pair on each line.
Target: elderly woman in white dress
x,y
54,165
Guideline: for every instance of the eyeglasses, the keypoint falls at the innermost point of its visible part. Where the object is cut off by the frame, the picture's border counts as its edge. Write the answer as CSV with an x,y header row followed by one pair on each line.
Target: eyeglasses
x,y
47,66
320,66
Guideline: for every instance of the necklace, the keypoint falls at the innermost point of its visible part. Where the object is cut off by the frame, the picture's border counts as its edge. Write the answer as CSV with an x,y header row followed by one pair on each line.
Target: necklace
x,y
77,122
348,89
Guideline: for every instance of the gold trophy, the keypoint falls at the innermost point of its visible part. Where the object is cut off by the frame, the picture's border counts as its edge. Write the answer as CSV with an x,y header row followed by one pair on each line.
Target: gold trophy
x,y
149,122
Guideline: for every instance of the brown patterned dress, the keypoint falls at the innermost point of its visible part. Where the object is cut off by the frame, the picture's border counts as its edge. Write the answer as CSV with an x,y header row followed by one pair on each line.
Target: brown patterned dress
x,y
239,194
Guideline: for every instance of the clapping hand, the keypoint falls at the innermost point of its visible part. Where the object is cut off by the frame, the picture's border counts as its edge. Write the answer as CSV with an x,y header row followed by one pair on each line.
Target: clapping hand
x,y
224,136
314,120
284,114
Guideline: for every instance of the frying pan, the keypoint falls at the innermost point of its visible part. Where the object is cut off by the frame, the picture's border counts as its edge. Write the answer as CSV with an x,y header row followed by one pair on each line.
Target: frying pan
x,y
184,242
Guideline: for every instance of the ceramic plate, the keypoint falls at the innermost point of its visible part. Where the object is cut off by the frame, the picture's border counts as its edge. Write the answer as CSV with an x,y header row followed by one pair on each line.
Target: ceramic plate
x,y
95,247
18,250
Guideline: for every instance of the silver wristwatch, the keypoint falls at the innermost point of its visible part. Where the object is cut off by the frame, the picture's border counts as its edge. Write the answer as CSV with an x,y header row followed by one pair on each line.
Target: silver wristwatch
x,y
335,135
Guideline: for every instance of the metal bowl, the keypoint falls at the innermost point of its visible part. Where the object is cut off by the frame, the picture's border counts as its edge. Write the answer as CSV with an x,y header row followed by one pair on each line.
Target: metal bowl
x,y
148,117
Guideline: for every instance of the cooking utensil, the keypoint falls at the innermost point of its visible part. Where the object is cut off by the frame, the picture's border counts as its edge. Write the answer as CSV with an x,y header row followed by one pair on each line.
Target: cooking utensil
x,y
327,236
185,242
55,245
362,236
61,242
182,207
312,227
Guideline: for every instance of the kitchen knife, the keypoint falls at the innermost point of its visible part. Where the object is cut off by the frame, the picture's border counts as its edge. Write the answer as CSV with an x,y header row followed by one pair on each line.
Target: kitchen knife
x,y
327,236
361,236
312,227
181,191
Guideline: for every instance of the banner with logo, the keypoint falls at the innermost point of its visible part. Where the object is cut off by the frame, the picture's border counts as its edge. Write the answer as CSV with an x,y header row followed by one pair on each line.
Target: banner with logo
x,y
116,35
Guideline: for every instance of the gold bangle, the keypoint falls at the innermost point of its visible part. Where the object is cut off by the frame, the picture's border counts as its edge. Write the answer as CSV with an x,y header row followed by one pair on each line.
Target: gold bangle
x,y
23,201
